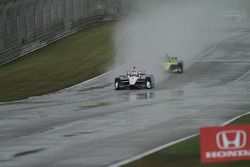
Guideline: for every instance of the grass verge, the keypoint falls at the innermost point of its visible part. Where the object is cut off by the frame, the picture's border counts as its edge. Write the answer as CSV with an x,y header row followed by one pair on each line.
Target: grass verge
x,y
60,65
4,1
185,154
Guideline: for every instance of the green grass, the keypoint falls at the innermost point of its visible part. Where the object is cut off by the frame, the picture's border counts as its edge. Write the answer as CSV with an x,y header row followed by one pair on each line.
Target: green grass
x,y
62,64
4,1
185,154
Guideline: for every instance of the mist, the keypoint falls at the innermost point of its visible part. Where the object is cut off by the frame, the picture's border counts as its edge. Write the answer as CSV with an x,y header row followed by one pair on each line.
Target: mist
x,y
179,28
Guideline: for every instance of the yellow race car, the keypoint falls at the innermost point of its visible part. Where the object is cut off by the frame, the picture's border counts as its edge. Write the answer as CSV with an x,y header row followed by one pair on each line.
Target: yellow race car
x,y
172,64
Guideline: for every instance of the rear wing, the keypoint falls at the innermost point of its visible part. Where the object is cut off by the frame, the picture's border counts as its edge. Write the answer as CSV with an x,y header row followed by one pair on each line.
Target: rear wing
x,y
142,72
167,58
170,59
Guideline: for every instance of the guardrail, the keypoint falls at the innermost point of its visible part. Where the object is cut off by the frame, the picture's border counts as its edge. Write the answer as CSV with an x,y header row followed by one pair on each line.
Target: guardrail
x,y
17,41
50,37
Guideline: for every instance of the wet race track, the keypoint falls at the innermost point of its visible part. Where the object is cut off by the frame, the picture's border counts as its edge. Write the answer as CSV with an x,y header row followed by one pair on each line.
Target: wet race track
x,y
93,125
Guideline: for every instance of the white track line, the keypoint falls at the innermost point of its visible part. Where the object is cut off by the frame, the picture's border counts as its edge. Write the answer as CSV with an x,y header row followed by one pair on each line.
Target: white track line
x,y
243,76
85,82
59,91
235,118
151,151
168,145
247,61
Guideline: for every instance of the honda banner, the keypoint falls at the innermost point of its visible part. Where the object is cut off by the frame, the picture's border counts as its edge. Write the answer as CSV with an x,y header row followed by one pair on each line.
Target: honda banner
x,y
226,143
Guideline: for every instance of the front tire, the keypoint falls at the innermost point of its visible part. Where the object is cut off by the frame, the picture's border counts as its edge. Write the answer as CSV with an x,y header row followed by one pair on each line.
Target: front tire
x,y
117,84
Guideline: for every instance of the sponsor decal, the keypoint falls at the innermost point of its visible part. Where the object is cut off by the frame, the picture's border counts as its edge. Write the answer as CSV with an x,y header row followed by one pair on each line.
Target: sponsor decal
x,y
227,143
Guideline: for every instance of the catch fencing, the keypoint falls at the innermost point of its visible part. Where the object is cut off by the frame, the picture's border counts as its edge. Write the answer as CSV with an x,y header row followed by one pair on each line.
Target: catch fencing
x,y
27,25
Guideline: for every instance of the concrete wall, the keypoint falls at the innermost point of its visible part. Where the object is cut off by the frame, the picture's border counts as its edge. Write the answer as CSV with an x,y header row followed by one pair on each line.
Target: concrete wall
x,y
27,25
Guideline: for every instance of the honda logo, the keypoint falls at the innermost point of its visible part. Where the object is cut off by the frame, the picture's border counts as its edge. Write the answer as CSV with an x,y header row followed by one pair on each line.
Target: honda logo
x,y
232,139
225,143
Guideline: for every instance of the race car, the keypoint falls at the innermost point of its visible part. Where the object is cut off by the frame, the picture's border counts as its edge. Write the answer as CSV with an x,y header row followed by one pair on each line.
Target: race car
x,y
134,79
172,64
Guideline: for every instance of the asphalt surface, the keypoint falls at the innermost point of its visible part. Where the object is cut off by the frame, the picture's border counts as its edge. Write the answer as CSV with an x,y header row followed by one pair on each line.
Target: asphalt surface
x,y
91,125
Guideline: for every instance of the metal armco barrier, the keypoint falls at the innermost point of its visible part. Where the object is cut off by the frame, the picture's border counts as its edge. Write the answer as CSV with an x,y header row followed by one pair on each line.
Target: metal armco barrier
x,y
27,25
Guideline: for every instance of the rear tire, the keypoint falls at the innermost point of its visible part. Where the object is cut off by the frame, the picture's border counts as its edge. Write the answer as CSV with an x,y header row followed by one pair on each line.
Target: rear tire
x,y
180,65
148,83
